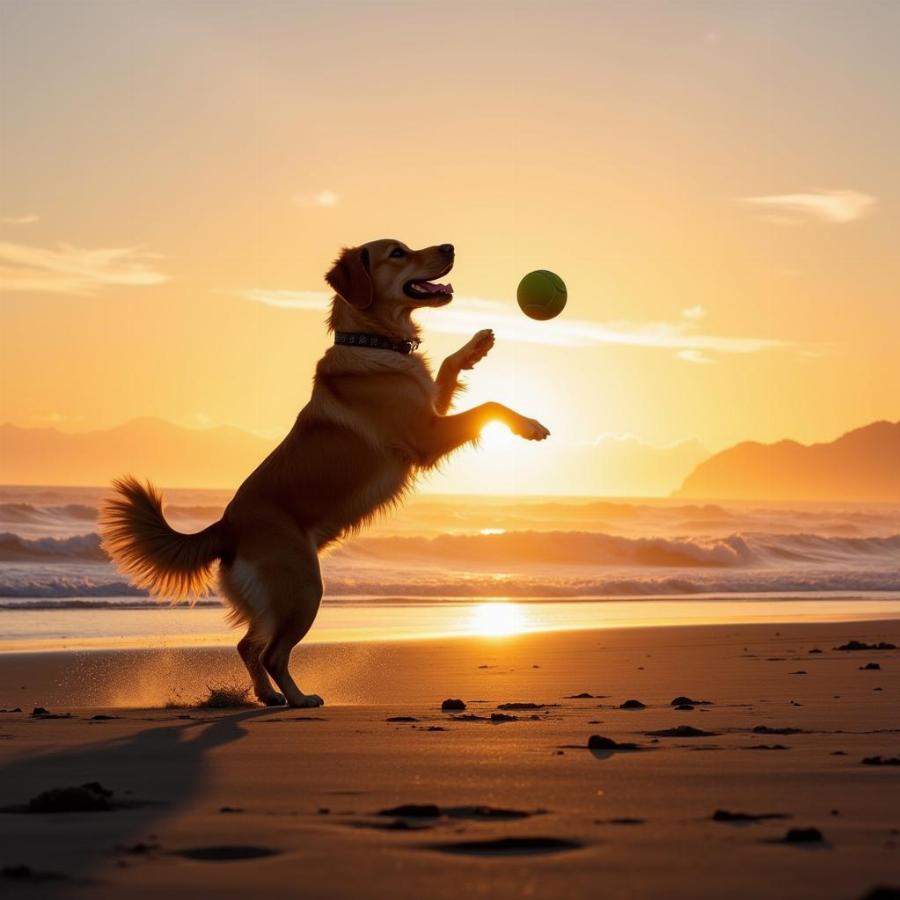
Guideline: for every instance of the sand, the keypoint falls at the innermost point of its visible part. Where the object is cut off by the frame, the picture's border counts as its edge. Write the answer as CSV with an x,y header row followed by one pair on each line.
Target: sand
x,y
244,803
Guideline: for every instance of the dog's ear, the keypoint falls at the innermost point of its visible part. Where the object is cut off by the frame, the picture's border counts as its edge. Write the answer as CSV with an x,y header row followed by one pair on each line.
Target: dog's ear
x,y
350,278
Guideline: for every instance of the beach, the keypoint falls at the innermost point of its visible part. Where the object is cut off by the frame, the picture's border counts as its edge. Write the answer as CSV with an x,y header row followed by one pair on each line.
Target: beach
x,y
507,801
566,627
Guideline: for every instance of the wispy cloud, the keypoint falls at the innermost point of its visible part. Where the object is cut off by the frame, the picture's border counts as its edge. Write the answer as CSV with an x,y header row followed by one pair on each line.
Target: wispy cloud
x,y
72,270
325,198
836,207
313,301
694,313
694,356
469,314
18,220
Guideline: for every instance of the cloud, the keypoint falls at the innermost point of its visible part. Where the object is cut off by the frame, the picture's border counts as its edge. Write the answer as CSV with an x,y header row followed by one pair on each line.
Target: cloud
x,y
18,220
325,198
72,270
694,313
694,356
469,314
836,207
310,301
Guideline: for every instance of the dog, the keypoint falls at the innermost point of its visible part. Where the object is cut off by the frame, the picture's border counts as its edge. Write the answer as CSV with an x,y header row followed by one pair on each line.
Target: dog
x,y
377,417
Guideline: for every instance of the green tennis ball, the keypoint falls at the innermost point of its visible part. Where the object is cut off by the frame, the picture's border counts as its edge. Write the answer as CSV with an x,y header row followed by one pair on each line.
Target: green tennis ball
x,y
542,295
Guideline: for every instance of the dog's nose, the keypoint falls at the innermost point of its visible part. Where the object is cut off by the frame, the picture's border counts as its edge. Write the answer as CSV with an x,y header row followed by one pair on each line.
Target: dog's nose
x,y
446,249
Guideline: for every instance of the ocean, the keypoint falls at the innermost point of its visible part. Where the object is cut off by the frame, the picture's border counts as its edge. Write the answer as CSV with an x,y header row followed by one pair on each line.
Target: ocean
x,y
562,562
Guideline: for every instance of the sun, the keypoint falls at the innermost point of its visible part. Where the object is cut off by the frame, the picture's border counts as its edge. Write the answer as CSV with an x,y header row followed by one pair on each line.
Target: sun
x,y
495,436
497,619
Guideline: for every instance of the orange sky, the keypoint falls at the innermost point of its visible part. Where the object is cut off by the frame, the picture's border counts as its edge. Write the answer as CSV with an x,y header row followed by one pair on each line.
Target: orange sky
x,y
717,184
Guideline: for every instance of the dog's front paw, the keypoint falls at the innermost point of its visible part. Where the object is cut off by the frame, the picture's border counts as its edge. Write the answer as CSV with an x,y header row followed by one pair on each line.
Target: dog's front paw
x,y
530,429
476,349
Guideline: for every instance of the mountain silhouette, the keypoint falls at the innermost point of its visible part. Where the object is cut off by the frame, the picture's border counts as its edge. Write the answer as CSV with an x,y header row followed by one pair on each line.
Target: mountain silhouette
x,y
863,465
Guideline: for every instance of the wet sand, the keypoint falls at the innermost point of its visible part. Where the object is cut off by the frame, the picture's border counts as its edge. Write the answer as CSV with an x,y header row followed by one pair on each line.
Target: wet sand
x,y
238,803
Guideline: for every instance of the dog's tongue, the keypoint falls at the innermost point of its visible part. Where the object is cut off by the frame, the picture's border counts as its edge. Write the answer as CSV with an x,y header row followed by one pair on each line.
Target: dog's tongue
x,y
437,288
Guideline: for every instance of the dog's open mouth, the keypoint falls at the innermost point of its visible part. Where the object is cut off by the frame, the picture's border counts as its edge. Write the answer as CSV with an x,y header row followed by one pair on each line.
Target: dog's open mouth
x,y
429,291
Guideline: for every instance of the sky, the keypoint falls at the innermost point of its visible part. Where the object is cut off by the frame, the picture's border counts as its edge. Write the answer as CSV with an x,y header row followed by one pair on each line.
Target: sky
x,y
717,183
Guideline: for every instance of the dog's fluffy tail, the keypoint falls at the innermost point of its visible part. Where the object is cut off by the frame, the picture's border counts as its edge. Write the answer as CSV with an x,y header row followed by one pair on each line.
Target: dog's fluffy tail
x,y
138,539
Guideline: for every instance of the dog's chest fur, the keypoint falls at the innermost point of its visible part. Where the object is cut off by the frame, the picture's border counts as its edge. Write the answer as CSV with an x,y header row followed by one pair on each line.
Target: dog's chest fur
x,y
383,400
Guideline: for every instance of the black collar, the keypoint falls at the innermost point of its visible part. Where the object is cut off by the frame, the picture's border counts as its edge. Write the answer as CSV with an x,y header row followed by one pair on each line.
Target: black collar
x,y
374,341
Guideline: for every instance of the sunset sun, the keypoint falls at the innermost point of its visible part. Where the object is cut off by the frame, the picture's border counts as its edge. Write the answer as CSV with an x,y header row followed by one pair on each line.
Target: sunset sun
x,y
496,436
497,619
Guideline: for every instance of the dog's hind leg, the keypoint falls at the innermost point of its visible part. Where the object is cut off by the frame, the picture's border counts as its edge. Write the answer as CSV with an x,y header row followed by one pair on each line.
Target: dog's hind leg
x,y
243,592
293,587
250,647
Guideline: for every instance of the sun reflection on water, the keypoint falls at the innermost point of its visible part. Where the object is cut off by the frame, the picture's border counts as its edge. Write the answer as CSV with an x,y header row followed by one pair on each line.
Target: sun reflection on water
x,y
498,619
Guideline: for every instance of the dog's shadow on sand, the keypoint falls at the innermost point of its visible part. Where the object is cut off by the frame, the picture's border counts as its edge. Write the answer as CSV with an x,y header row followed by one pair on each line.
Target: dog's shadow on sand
x,y
153,774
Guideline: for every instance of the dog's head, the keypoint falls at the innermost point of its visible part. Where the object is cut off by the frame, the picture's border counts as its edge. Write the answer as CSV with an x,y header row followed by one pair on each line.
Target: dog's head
x,y
385,280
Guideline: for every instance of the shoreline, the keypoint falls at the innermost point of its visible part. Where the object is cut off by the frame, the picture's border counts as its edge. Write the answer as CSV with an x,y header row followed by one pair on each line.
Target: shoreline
x,y
145,601
68,629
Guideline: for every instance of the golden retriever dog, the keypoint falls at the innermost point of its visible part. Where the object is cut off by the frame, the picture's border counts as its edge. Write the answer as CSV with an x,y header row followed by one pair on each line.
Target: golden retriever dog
x,y
377,417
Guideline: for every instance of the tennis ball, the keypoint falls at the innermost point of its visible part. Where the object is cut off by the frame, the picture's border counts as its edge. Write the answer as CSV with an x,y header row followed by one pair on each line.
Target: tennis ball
x,y
542,295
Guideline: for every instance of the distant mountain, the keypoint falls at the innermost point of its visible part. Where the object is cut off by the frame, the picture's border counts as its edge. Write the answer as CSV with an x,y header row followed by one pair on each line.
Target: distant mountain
x,y
153,448
172,456
863,464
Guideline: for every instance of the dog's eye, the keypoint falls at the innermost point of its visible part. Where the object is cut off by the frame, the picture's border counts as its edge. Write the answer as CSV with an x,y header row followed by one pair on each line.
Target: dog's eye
x,y
398,253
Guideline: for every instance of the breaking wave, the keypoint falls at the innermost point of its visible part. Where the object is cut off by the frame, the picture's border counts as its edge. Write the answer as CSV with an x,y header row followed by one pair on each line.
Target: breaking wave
x,y
85,547
588,548
524,564
91,593
531,548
